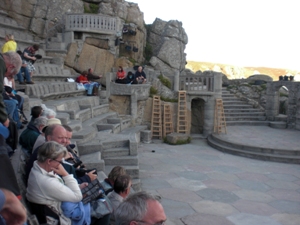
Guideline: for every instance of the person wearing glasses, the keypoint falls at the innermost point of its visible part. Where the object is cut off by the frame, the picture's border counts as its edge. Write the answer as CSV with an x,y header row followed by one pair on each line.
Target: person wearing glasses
x,y
140,208
49,184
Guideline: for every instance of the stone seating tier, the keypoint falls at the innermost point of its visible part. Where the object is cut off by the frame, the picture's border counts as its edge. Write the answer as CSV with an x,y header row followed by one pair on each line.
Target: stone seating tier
x,y
48,91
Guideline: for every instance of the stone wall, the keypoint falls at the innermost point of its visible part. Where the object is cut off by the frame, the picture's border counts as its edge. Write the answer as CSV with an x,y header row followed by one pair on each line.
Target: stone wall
x,y
272,106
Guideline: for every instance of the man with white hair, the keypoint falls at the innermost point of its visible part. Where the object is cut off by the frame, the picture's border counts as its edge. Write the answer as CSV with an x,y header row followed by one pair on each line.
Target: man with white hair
x,y
29,136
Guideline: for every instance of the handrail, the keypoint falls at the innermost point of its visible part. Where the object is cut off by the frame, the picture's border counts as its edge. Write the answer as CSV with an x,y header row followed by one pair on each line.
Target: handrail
x,y
196,83
91,23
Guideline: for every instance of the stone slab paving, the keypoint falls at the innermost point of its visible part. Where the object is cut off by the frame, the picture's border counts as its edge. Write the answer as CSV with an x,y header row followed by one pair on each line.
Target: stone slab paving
x,y
201,185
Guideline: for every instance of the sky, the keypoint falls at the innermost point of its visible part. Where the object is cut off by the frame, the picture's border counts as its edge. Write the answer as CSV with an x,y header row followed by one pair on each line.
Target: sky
x,y
237,32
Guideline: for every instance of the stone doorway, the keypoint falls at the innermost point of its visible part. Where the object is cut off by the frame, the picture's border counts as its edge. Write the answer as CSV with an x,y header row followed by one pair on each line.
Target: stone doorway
x,y
197,116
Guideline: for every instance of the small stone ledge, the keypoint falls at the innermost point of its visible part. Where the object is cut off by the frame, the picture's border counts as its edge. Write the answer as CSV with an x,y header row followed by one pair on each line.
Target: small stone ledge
x,y
178,139
278,125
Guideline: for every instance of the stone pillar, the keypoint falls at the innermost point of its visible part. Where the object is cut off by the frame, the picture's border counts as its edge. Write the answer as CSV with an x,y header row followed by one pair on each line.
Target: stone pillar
x,y
209,112
272,101
176,81
218,85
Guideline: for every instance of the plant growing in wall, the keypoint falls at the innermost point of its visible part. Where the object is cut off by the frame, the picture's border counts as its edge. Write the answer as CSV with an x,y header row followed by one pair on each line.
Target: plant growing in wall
x,y
165,81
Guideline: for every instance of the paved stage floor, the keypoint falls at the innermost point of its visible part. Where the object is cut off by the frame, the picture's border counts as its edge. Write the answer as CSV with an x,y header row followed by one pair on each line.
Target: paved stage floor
x,y
203,186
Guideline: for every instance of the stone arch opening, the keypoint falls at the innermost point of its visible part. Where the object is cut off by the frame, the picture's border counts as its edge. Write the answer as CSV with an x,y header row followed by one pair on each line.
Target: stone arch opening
x,y
283,99
197,115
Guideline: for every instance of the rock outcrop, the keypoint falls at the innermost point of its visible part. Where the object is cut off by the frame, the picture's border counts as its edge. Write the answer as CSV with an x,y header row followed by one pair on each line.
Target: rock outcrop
x,y
168,41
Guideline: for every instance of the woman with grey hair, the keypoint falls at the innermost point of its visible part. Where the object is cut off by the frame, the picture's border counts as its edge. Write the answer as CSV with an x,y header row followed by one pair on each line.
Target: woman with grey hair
x,y
49,184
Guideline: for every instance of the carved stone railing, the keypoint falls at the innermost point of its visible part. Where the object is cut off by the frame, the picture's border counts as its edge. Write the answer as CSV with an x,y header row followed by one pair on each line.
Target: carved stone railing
x,y
196,83
91,23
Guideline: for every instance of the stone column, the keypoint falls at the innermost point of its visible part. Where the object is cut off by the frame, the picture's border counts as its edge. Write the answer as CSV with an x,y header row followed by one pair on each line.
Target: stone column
x,y
272,102
209,112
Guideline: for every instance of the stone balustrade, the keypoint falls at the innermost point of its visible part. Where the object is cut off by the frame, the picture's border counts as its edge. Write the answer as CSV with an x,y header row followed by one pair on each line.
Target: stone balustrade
x,y
196,83
91,23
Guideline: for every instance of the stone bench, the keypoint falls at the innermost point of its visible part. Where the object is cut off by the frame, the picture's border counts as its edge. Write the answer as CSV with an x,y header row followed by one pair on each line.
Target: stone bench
x,y
79,108
48,91
51,73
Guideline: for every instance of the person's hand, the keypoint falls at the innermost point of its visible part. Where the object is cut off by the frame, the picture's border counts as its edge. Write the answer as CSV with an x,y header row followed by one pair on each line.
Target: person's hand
x,y
13,211
83,185
33,58
60,170
92,175
6,123
69,156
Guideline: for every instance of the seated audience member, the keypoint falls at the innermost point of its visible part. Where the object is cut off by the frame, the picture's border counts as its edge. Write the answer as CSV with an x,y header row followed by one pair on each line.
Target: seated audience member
x,y
129,78
140,208
121,76
108,183
13,112
36,111
10,44
91,76
88,85
29,136
49,184
29,57
11,208
41,138
24,69
121,191
9,86
140,76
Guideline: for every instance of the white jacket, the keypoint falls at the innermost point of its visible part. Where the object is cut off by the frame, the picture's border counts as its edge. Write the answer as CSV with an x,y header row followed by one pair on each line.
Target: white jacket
x,y
49,189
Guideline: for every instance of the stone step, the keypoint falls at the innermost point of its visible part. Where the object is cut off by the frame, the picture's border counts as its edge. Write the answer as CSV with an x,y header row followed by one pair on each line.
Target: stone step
x,y
64,117
233,102
244,114
93,160
281,117
240,106
90,147
112,152
227,95
238,110
85,135
247,117
133,171
276,155
278,124
76,125
122,160
99,119
115,128
247,123
115,142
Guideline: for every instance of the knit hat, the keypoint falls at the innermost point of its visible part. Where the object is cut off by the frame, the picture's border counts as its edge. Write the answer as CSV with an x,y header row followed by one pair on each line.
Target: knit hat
x,y
51,122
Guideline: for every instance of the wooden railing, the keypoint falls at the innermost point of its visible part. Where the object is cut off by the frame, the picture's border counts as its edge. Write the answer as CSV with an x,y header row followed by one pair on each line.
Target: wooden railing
x,y
91,23
196,83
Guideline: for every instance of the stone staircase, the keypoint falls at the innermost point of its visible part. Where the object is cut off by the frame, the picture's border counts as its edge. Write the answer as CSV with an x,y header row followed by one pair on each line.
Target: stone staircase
x,y
238,112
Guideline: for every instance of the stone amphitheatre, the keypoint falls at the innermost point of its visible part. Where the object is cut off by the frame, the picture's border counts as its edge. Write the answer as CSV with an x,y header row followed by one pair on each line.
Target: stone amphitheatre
x,y
110,128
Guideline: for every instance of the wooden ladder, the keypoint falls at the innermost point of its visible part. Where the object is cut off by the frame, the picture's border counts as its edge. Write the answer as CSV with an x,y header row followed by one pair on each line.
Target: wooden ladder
x,y
168,122
220,121
156,117
182,113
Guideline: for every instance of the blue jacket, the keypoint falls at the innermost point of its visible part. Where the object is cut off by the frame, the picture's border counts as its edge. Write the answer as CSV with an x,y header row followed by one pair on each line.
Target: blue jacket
x,y
77,212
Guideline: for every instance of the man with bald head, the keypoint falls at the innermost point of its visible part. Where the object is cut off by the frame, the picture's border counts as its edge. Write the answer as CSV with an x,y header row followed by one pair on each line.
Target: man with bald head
x,y
140,208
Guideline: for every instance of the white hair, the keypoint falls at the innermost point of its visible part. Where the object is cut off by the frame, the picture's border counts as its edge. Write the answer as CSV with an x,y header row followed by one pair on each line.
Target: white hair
x,y
49,113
